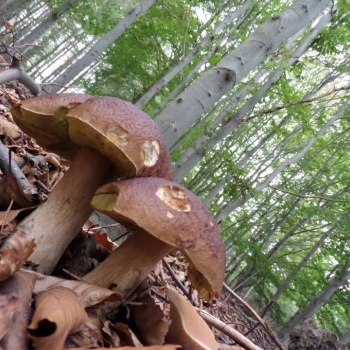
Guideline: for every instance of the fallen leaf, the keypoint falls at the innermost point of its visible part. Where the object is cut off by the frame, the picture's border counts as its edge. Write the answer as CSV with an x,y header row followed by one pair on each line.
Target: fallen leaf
x,y
58,313
90,295
149,320
188,328
7,216
127,337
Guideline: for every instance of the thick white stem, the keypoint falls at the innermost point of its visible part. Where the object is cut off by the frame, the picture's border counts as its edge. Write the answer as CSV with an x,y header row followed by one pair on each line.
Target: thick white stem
x,y
126,267
56,222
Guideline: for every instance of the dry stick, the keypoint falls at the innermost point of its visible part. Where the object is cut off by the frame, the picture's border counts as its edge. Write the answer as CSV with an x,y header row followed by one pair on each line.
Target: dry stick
x,y
261,321
6,166
229,331
178,282
310,197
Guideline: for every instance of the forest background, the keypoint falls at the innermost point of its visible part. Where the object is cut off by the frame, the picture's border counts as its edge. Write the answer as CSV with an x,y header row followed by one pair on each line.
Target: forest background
x,y
253,99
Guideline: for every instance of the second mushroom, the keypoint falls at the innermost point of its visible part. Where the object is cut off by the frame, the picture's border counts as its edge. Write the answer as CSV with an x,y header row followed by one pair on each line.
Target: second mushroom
x,y
163,216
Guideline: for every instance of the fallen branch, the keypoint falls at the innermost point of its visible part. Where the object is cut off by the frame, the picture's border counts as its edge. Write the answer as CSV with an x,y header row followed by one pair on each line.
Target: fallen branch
x,y
229,331
16,72
10,167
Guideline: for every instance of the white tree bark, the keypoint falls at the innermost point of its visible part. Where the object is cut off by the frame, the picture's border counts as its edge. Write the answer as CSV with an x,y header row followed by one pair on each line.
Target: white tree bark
x,y
38,31
101,45
302,263
155,88
314,305
193,155
217,81
8,7
229,207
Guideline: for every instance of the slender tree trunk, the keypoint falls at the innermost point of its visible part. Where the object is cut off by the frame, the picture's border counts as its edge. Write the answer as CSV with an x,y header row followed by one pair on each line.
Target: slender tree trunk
x,y
314,305
236,65
9,7
101,45
302,263
345,338
155,88
44,26
193,156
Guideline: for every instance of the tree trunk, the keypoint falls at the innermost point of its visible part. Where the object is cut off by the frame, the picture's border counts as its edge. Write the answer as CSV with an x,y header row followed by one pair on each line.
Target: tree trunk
x,y
186,163
314,305
155,88
9,7
101,45
38,31
219,80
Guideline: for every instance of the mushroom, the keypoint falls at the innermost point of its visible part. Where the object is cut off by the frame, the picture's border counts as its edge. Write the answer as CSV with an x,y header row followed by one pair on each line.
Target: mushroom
x,y
104,137
162,216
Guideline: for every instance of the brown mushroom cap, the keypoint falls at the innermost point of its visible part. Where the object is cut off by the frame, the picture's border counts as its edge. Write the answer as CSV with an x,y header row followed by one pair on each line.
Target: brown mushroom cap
x,y
175,216
44,119
123,133
117,129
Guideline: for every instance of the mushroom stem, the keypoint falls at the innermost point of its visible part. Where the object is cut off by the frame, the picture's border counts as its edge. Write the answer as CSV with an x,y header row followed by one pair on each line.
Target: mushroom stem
x,y
127,266
56,222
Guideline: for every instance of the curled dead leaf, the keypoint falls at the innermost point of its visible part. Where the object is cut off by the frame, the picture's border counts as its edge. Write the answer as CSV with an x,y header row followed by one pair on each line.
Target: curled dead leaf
x,y
58,313
9,129
188,328
9,25
88,294
149,320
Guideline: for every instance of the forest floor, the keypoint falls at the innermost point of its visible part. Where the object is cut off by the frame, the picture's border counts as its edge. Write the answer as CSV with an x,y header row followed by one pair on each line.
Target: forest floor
x,y
234,323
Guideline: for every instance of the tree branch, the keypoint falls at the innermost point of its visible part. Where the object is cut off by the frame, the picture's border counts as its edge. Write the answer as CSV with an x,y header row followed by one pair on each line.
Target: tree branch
x,y
310,197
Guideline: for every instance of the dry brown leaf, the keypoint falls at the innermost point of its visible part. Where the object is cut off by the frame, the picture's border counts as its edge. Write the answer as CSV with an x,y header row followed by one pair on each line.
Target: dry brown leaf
x,y
90,335
149,320
15,299
9,215
89,294
9,25
127,337
9,129
14,252
58,313
188,328
104,240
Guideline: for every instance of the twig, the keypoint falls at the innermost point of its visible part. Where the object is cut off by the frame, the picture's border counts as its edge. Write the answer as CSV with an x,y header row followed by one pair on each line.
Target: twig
x,y
278,108
310,197
260,320
229,331
160,296
72,275
16,72
6,166
178,282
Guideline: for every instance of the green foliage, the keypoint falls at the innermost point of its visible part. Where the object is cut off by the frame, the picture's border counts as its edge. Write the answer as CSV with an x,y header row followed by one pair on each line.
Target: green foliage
x,y
343,5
